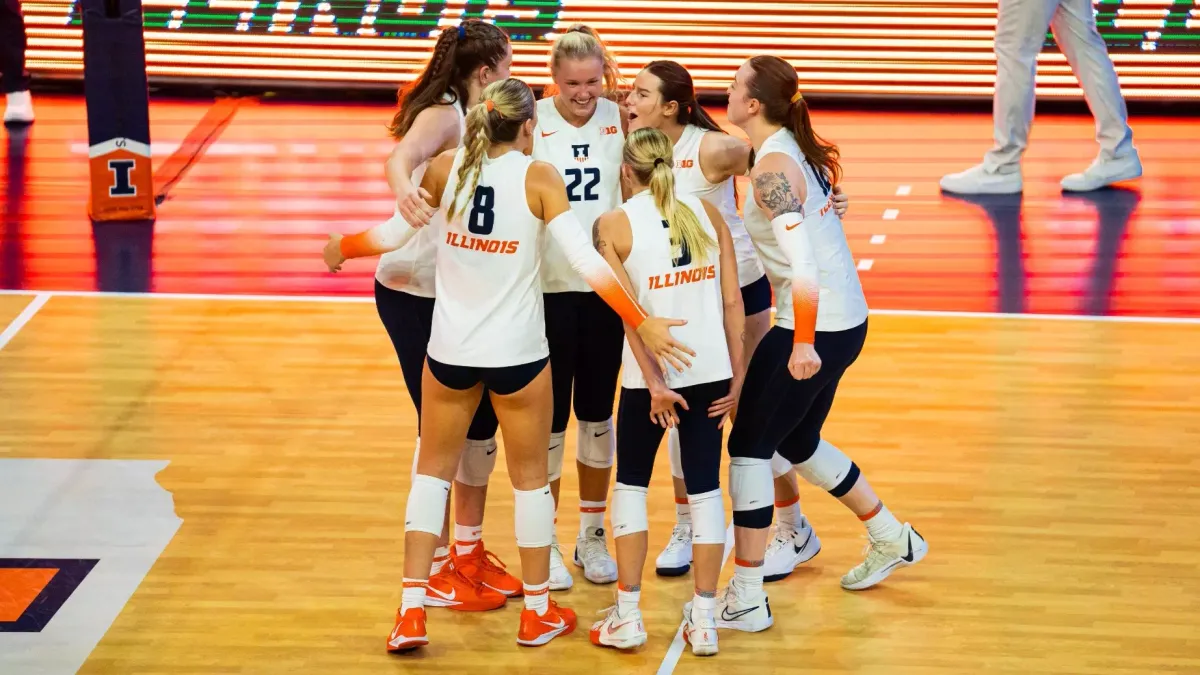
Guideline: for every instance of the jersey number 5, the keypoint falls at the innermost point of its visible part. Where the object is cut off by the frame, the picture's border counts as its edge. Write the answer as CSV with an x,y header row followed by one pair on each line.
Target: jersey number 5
x,y
576,176
483,214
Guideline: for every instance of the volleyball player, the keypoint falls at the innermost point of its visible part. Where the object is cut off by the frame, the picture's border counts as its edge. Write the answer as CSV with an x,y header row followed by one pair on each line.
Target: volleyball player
x,y
820,328
580,132
488,331
706,162
678,256
430,121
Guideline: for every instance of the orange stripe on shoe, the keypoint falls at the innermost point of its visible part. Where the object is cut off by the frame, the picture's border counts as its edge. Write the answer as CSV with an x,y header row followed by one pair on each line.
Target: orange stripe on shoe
x,y
804,308
784,505
875,511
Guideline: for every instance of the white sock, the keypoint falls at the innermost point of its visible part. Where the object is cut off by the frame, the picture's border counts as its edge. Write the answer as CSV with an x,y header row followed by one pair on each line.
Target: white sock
x,y
882,525
441,555
747,581
466,537
591,516
627,598
537,597
704,605
683,511
413,594
788,513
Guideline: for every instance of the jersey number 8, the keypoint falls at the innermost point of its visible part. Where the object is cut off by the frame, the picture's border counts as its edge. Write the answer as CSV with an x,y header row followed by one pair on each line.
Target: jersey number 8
x,y
483,215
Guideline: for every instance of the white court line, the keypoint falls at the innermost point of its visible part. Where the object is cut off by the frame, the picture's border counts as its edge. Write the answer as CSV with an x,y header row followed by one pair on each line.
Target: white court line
x,y
676,649
23,318
891,214
865,264
903,190
878,238
363,299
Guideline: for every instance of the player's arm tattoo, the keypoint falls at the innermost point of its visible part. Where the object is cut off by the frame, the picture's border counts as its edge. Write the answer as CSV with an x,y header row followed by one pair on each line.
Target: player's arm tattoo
x,y
598,242
776,196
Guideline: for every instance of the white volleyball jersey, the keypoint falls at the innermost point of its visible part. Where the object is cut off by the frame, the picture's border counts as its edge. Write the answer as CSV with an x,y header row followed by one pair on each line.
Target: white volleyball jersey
x,y
841,304
690,180
488,308
679,288
589,159
409,269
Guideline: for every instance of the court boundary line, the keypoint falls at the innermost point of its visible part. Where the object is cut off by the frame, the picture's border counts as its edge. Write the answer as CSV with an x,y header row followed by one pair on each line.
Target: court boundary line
x,y
15,326
675,651
364,299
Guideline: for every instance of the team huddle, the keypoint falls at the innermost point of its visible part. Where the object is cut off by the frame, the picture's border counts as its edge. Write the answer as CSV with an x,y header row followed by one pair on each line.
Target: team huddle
x,y
505,315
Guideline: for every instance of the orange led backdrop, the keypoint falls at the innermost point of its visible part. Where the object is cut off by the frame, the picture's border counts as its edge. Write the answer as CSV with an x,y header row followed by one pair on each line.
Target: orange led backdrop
x,y
876,47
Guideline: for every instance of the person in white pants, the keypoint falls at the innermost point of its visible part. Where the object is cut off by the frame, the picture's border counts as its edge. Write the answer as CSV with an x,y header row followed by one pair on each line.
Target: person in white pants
x,y
1020,32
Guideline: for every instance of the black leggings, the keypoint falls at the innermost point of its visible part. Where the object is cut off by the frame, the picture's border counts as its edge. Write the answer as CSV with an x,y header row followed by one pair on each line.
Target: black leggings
x,y
586,338
699,437
777,412
408,320
13,76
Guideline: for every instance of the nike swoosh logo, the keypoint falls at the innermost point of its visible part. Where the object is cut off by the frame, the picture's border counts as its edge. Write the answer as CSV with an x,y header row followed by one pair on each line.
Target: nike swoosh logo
x,y
491,452
600,434
909,557
618,626
791,227
440,594
560,624
547,135
726,616
801,546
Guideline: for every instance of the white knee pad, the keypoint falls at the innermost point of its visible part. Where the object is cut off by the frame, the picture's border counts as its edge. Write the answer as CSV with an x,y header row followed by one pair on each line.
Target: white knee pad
x,y
780,466
533,511
751,485
554,465
477,463
673,452
827,467
629,510
708,517
426,506
597,444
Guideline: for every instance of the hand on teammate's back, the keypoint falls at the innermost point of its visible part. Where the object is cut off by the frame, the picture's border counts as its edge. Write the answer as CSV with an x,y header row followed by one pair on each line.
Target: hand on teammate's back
x,y
415,208
656,334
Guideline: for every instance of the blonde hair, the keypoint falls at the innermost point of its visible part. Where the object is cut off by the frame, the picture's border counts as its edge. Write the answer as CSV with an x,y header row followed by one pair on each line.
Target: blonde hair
x,y
582,42
503,107
649,153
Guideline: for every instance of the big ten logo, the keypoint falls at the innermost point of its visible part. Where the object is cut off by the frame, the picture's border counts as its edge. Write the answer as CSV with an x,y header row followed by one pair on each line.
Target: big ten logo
x,y
684,163
608,131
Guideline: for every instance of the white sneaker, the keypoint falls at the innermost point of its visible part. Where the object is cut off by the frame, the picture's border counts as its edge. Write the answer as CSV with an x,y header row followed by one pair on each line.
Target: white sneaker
x,y
1104,173
978,180
622,632
560,576
676,558
19,108
700,631
591,553
744,614
789,548
884,557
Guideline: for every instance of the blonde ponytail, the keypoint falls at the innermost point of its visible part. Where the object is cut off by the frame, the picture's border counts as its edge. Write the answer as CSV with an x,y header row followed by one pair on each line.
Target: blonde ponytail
x,y
503,107
650,154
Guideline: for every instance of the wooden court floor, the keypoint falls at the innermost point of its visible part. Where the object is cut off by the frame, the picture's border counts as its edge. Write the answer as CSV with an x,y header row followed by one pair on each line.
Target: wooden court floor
x,y
1052,465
